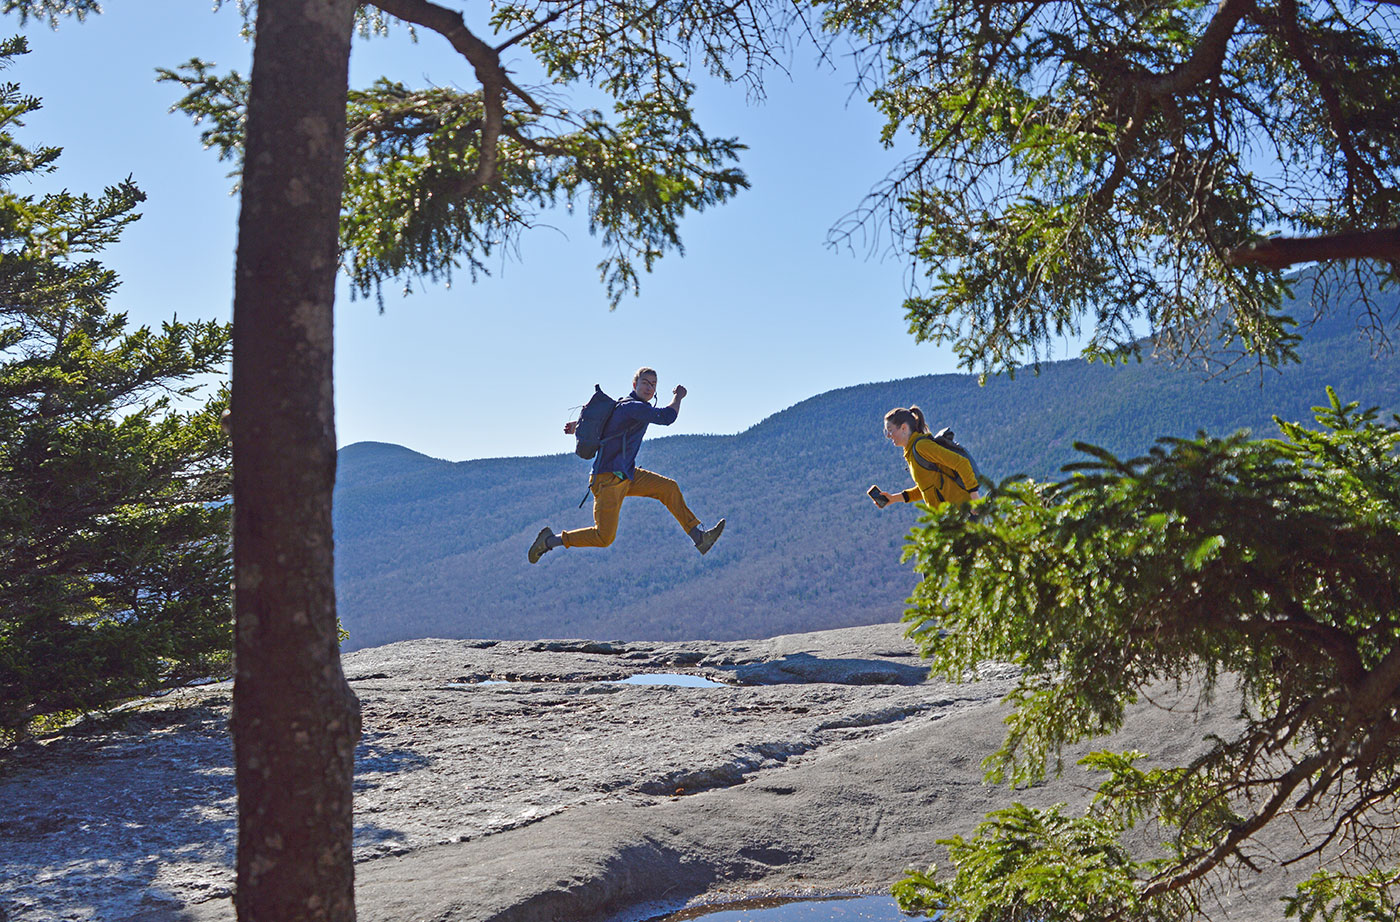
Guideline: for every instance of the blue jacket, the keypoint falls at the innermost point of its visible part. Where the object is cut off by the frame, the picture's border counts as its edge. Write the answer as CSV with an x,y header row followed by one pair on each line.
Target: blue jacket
x,y
622,436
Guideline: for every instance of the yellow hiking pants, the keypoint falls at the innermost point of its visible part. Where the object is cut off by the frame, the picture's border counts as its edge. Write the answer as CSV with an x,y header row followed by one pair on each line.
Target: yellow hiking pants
x,y
608,492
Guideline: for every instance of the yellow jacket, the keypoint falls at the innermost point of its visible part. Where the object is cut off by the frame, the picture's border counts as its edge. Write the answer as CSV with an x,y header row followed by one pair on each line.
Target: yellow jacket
x,y
943,484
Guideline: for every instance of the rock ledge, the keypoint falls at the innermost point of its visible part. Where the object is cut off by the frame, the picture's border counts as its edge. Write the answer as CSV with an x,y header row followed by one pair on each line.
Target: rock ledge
x,y
826,762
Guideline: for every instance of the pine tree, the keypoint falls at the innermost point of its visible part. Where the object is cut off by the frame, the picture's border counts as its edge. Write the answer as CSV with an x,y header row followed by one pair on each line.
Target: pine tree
x,y
423,181
114,475
1259,568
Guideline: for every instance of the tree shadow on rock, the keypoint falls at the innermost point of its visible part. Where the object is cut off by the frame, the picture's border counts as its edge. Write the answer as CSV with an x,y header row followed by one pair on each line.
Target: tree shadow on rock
x,y
120,819
376,760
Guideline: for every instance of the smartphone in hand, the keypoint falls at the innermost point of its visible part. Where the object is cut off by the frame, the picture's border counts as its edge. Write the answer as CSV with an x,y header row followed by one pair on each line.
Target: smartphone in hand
x,y
877,496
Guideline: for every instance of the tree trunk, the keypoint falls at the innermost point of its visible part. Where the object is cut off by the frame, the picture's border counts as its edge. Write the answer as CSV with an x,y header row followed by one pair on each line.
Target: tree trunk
x,y
295,720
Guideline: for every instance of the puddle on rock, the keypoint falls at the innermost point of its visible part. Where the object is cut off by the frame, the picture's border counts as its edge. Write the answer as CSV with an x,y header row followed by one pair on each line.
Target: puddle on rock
x,y
675,679
671,678
879,908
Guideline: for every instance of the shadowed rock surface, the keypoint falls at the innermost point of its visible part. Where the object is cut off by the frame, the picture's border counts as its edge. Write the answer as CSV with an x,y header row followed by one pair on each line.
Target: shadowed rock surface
x,y
826,763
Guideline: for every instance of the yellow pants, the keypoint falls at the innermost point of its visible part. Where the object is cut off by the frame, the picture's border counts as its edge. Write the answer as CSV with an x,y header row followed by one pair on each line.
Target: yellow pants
x,y
608,492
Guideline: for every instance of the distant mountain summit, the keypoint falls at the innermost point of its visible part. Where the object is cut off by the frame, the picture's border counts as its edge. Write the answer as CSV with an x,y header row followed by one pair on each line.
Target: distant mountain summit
x,y
430,548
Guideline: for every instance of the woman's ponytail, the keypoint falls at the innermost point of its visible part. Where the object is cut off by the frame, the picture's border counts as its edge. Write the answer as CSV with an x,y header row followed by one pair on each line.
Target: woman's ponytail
x,y
912,417
919,416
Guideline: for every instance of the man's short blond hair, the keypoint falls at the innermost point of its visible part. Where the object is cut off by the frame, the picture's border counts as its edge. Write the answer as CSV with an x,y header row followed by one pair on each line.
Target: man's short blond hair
x,y
643,371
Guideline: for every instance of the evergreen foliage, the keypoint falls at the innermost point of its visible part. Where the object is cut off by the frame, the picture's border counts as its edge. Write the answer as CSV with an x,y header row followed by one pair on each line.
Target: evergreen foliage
x,y
1028,865
1270,564
114,559
432,182
50,11
1097,165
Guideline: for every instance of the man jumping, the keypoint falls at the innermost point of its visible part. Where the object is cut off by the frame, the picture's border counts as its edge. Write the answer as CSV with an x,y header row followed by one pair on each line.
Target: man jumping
x,y
616,476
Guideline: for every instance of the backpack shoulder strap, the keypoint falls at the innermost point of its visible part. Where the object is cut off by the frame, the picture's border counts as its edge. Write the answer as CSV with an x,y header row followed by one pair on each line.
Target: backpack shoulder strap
x,y
925,463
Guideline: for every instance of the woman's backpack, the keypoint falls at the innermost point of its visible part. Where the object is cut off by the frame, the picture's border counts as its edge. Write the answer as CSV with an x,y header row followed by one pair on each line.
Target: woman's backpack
x,y
945,438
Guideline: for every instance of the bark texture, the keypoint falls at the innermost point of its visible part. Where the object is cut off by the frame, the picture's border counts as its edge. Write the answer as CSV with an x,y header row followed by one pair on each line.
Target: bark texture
x,y
295,720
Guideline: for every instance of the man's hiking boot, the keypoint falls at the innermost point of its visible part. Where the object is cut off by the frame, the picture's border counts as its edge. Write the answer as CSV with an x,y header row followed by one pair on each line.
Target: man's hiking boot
x,y
541,544
708,537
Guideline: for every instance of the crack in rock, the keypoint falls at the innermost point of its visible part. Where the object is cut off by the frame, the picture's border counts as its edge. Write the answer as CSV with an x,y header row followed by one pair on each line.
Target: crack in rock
x,y
606,647
883,716
728,774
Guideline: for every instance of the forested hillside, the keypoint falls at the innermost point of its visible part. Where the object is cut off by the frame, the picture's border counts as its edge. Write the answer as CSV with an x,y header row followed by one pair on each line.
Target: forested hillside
x,y
429,548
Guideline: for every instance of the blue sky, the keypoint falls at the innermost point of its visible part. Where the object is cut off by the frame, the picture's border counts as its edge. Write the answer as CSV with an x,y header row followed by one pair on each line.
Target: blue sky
x,y
757,315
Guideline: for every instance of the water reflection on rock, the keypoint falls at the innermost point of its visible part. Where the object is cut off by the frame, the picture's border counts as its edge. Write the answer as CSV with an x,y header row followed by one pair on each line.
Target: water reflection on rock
x,y
677,679
878,908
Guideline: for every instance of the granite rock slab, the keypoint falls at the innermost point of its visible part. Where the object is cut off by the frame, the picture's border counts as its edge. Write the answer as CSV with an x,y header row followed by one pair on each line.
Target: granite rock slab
x,y
513,781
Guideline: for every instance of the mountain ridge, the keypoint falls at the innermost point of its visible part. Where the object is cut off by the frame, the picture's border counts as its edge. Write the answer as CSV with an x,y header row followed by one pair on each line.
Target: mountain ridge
x,y
434,548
